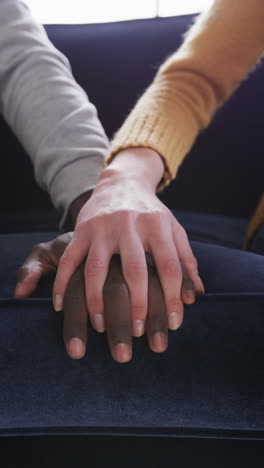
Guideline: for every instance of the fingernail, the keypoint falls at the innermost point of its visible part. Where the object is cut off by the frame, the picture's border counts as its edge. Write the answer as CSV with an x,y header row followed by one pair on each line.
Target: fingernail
x,y
122,352
159,342
189,295
201,286
138,327
202,290
76,348
58,302
173,320
99,322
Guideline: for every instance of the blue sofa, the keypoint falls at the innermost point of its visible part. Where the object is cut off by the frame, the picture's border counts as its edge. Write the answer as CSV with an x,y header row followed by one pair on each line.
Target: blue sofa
x,y
209,385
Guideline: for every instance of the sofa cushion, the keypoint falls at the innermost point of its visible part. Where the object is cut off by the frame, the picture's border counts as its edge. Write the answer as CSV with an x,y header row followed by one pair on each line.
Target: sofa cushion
x,y
209,382
257,243
213,229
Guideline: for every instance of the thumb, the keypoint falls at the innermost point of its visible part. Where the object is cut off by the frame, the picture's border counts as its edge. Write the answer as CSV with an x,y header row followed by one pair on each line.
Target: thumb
x,y
43,259
27,281
36,265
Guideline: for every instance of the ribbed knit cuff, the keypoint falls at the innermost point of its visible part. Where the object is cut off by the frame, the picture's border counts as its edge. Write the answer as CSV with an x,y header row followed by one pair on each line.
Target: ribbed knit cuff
x,y
169,130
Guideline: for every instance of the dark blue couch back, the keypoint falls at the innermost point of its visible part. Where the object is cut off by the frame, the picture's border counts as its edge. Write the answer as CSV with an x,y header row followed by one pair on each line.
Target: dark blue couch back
x,y
114,63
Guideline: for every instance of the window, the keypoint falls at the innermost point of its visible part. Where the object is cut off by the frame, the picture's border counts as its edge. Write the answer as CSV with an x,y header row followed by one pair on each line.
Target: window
x,y
97,11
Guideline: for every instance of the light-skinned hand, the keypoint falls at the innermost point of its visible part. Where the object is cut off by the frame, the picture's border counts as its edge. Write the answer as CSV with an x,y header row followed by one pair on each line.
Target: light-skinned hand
x,y
124,216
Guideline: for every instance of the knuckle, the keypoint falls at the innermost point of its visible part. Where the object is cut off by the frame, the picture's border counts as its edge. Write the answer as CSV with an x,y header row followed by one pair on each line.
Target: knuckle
x,y
192,266
135,269
182,236
157,219
59,246
94,266
67,255
135,272
126,215
40,246
171,266
181,231
80,227
84,230
138,308
160,215
64,260
173,303
38,249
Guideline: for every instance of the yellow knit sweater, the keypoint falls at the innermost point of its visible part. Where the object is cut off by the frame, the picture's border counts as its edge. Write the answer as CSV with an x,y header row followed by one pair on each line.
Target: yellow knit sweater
x,y
217,53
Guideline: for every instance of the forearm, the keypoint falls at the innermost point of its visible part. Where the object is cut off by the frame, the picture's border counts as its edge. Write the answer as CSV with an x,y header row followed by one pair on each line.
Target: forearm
x,y
47,109
217,53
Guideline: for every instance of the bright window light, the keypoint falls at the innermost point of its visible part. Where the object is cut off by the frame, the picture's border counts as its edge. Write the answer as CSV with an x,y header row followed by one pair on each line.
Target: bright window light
x,y
172,7
98,11
90,11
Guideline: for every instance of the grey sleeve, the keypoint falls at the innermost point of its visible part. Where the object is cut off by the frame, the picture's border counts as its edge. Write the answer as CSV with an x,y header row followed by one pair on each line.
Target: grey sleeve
x,y
47,110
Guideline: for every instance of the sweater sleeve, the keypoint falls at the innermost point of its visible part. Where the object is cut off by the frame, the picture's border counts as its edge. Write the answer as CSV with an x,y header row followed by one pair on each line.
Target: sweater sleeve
x,y
216,54
47,110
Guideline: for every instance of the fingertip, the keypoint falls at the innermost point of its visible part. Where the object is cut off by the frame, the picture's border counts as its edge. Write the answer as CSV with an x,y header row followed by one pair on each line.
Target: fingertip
x,y
58,302
200,293
76,348
188,297
98,323
201,285
159,342
174,320
188,301
122,353
28,283
138,327
20,291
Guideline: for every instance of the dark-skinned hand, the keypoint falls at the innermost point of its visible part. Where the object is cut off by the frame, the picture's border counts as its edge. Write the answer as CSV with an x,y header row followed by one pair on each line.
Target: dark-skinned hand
x,y
44,259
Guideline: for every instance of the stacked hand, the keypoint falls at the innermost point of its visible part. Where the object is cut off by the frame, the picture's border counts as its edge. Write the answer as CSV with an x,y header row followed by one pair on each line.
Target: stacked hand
x,y
45,258
103,270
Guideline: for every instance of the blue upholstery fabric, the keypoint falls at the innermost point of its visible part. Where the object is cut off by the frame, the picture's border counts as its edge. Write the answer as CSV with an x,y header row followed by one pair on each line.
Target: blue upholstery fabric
x,y
257,244
209,383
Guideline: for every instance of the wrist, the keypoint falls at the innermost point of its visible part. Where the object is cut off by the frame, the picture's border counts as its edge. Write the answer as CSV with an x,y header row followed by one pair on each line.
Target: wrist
x,y
76,206
141,165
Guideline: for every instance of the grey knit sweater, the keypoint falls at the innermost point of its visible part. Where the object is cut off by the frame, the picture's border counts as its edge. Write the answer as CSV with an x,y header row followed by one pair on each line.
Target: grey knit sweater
x,y
47,110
